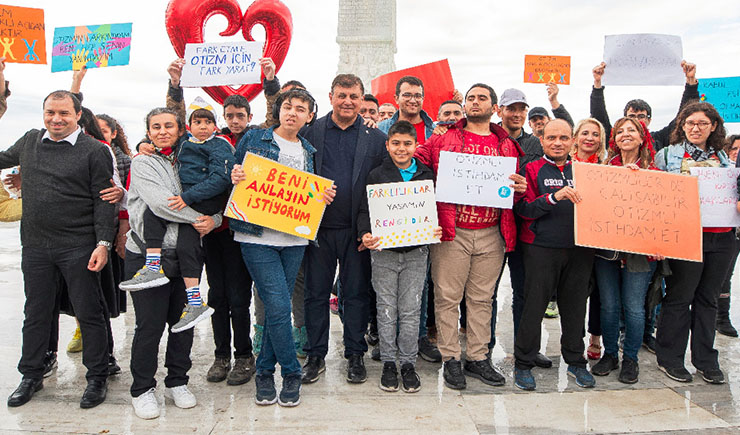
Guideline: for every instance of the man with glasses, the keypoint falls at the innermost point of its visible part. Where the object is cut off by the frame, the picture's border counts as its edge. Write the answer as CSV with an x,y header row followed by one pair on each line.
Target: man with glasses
x,y
639,109
410,98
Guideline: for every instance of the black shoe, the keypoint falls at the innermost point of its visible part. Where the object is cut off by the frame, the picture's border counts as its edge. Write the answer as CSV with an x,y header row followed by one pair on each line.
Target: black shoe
x,y
484,371
648,342
712,376
410,381
724,327
356,373
606,364
312,369
542,361
629,372
428,351
25,391
389,377
371,337
94,394
453,375
50,363
113,367
375,354
679,374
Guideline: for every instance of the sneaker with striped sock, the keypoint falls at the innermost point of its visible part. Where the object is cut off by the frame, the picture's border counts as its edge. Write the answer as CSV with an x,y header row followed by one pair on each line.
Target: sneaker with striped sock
x,y
191,316
145,278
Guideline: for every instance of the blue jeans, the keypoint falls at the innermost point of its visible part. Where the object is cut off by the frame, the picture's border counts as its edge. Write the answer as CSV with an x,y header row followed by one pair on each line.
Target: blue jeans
x,y
274,269
620,289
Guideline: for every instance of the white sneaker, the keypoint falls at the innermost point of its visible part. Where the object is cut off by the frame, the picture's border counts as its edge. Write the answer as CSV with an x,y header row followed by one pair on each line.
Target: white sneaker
x,y
182,396
146,406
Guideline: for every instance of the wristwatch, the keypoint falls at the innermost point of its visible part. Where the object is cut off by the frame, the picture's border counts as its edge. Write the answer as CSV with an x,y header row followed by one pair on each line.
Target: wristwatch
x,y
105,243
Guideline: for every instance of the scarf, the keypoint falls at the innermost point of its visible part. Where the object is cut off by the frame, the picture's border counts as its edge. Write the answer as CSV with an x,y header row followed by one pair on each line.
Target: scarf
x,y
696,153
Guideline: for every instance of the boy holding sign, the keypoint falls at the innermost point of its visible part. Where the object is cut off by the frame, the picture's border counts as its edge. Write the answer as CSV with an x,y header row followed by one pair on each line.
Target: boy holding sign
x,y
398,273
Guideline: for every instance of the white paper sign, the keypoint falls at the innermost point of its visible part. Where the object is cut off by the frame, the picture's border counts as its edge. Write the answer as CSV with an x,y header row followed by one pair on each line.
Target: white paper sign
x,y
403,214
221,63
718,196
470,179
643,59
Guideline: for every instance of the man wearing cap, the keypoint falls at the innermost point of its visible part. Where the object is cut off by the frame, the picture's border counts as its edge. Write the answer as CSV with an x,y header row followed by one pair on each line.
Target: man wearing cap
x,y
537,118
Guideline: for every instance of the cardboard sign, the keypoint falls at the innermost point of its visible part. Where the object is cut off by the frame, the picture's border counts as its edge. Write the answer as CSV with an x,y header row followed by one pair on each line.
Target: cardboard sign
x,y
222,63
547,69
470,179
95,46
437,79
403,214
22,34
643,59
644,212
279,197
724,94
718,196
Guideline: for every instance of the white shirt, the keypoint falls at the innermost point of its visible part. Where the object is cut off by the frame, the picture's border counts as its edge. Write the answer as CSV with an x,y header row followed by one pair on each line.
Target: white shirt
x,y
72,138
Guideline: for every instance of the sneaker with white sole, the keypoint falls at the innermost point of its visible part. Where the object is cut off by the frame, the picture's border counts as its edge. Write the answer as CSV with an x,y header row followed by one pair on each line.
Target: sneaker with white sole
x,y
182,396
145,278
191,316
146,406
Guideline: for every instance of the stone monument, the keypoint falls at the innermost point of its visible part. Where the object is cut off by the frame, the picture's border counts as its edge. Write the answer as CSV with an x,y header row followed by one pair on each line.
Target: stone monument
x,y
366,35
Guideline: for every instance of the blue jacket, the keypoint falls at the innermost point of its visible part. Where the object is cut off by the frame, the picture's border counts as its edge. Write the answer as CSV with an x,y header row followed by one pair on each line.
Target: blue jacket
x,y
386,124
669,158
262,143
204,168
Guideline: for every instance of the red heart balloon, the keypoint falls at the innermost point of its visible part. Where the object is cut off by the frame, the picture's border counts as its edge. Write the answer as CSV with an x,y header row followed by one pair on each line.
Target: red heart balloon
x,y
186,19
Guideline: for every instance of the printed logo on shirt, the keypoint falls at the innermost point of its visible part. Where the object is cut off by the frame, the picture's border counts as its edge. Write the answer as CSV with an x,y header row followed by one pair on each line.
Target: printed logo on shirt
x,y
556,182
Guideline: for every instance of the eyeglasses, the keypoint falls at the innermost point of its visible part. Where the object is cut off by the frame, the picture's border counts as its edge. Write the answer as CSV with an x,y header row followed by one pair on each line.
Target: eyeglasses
x,y
409,96
641,116
703,125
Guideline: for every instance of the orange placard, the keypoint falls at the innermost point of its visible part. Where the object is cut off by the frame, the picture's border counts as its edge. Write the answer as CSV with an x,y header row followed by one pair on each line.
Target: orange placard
x,y
546,69
644,212
22,37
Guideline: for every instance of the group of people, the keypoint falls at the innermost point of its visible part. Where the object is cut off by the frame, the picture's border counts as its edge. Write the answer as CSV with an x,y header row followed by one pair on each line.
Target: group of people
x,y
156,219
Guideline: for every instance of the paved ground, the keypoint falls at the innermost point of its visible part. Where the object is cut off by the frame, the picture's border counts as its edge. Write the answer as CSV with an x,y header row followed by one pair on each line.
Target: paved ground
x,y
654,405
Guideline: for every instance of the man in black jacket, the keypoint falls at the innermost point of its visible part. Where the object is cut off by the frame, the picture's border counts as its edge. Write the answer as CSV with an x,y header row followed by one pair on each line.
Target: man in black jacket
x,y
66,231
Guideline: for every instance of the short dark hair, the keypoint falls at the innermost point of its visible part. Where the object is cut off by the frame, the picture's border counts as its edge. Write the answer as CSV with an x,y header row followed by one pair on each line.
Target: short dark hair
x,y
293,83
371,98
202,114
494,98
238,101
414,81
162,111
60,95
347,81
402,127
449,102
299,94
638,105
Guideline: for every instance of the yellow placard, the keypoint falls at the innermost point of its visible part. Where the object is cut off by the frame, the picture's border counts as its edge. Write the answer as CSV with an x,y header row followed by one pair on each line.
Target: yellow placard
x,y
279,197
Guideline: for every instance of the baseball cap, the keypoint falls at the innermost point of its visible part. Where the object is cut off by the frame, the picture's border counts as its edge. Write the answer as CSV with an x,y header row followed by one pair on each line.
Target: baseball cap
x,y
537,111
511,96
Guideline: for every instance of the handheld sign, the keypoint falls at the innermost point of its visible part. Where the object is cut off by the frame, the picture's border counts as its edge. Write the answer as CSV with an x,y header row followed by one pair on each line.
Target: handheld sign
x,y
718,196
547,69
279,197
222,63
724,94
22,34
643,212
643,59
403,214
91,46
470,179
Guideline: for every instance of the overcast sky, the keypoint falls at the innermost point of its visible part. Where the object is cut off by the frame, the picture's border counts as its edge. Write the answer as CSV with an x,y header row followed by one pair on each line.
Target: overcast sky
x,y
485,41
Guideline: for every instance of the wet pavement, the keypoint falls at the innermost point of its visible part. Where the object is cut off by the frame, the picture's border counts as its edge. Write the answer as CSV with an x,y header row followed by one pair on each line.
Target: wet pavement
x,y
655,404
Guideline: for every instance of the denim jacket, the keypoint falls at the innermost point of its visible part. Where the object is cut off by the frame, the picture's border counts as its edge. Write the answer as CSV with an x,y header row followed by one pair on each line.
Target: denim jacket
x,y
262,143
669,158
386,124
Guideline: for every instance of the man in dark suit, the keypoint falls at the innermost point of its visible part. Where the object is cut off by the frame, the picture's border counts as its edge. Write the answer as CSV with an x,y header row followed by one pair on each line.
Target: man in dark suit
x,y
346,152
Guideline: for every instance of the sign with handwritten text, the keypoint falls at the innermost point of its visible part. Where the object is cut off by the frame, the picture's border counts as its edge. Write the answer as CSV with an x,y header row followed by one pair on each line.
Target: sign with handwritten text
x,y
279,197
22,34
724,94
547,69
718,196
95,46
470,179
403,214
222,63
644,211
643,59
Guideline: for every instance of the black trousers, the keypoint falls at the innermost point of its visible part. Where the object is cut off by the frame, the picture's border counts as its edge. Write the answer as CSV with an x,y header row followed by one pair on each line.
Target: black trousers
x,y
189,249
564,272
354,277
230,294
690,305
156,308
42,268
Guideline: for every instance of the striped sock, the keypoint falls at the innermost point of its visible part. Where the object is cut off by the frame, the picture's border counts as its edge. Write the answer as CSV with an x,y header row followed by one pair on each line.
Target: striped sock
x,y
153,262
194,298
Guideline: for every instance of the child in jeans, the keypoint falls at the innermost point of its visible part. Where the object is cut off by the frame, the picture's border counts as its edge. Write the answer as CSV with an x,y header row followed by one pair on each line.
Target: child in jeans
x,y
204,163
398,273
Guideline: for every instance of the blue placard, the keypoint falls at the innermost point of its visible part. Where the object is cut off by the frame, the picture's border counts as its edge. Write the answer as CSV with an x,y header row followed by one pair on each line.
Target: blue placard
x,y
724,94
92,46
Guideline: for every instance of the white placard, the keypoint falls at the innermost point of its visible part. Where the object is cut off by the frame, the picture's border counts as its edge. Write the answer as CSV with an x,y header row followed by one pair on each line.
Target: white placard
x,y
643,59
403,214
718,196
470,179
221,63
